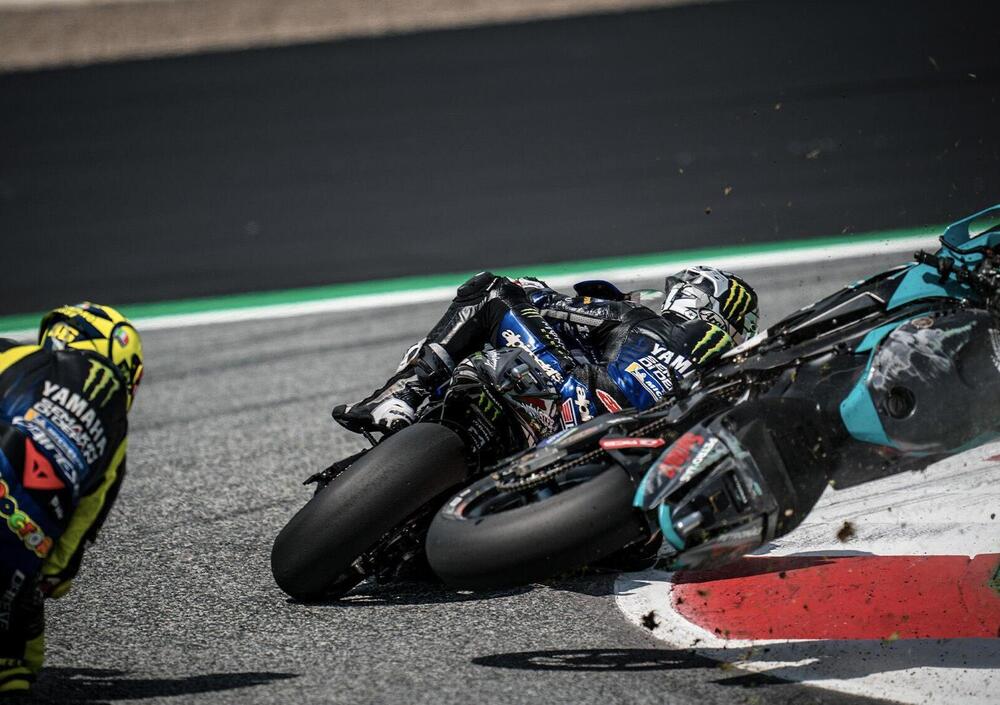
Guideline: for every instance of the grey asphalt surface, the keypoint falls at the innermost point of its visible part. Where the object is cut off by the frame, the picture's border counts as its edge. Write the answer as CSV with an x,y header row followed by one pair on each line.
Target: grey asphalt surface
x,y
478,148
176,603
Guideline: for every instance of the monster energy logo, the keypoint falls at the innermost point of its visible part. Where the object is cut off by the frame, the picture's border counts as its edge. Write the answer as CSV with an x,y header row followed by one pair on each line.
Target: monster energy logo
x,y
549,336
100,378
738,302
488,406
715,340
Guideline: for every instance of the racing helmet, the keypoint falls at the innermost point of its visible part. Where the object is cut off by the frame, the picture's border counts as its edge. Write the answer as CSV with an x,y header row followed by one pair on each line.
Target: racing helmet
x,y
721,298
100,329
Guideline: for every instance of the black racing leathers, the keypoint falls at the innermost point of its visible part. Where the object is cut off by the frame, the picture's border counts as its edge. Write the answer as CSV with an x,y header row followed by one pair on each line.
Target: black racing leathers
x,y
62,459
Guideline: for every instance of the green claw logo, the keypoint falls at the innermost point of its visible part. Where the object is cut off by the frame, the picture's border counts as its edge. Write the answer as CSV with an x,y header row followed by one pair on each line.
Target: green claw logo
x,y
718,336
100,378
737,303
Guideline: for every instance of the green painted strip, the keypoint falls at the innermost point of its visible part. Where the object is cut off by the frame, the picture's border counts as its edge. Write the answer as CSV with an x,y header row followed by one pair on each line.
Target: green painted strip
x,y
383,286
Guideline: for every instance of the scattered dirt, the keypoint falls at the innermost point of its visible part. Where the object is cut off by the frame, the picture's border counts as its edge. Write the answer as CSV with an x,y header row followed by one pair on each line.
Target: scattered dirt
x,y
649,620
846,532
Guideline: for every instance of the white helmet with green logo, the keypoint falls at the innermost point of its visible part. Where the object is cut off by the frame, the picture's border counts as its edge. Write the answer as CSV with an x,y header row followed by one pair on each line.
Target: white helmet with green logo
x,y
718,297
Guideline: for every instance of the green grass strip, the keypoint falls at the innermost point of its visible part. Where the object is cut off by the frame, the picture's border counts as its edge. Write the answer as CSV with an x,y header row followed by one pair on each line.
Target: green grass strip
x,y
413,283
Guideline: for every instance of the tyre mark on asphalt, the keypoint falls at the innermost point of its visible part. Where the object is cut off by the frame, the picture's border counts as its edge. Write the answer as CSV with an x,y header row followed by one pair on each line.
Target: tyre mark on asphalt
x,y
235,411
217,517
276,356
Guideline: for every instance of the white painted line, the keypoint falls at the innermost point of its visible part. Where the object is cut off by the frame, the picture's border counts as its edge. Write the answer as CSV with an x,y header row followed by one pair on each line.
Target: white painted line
x,y
805,255
944,510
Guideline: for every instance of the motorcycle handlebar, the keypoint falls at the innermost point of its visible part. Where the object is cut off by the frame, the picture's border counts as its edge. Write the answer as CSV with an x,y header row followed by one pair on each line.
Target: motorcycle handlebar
x,y
984,279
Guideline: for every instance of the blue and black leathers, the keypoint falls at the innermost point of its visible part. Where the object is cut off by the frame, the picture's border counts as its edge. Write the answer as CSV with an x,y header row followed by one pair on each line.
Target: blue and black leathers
x,y
62,460
629,355
599,355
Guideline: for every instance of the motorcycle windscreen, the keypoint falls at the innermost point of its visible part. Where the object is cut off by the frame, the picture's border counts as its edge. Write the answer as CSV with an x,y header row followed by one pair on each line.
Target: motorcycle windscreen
x,y
978,230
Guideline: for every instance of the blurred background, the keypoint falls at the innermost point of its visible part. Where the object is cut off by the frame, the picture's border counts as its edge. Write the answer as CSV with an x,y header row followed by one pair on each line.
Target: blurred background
x,y
155,150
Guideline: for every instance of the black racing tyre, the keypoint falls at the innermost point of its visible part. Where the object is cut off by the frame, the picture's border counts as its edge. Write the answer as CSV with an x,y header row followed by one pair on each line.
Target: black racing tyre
x,y
472,544
313,555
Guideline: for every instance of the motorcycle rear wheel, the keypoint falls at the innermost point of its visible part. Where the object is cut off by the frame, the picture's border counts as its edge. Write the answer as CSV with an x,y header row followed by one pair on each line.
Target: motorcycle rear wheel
x,y
314,557
485,538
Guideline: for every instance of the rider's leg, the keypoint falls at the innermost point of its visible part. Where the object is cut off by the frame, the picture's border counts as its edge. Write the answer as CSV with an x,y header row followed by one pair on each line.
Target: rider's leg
x,y
477,314
21,610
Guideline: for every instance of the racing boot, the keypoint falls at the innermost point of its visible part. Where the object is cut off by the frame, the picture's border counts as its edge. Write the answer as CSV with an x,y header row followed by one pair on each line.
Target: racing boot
x,y
395,405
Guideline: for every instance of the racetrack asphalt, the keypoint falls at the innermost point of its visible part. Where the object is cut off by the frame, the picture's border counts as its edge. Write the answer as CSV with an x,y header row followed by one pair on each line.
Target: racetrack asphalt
x,y
454,151
176,603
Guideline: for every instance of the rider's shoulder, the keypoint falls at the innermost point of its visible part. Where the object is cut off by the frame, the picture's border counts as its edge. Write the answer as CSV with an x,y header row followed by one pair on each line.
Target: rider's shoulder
x,y
13,352
705,341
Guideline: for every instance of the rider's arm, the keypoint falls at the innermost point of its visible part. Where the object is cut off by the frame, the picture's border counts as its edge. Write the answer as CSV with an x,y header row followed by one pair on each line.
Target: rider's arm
x,y
585,318
62,564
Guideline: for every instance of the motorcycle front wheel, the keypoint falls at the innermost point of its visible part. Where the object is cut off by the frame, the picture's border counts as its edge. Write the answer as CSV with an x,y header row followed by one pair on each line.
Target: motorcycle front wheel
x,y
488,537
315,555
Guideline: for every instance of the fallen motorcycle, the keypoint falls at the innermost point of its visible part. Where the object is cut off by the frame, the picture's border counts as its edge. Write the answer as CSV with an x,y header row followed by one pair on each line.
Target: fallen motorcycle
x,y
370,513
887,375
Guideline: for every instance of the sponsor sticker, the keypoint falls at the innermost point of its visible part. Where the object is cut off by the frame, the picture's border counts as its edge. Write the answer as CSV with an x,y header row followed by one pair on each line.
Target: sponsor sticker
x,y
737,302
513,340
624,443
714,341
643,377
73,413
22,525
38,473
582,403
678,454
489,406
609,401
568,417
8,597
100,379
47,436
657,371
699,459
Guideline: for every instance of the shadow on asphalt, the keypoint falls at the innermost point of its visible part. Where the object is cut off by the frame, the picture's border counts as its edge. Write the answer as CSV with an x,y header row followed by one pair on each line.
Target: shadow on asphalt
x,y
598,660
857,658
411,593
822,659
102,685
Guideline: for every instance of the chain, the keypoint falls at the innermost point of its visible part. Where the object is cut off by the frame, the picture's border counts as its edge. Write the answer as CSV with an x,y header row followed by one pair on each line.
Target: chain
x,y
544,476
